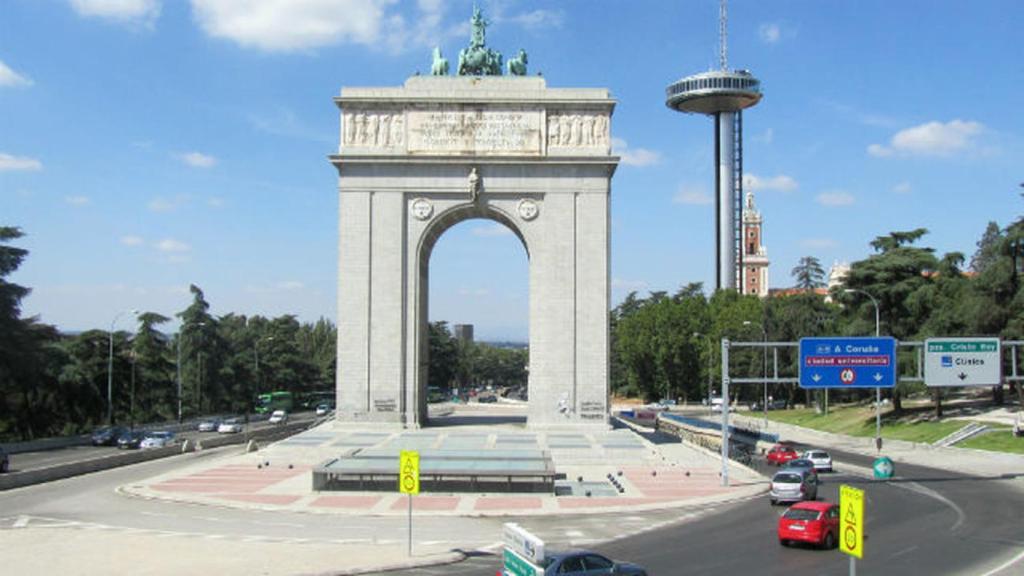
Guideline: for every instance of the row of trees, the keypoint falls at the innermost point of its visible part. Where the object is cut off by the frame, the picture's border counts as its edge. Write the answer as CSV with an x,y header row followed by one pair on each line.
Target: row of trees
x,y
53,383
664,345
667,345
459,363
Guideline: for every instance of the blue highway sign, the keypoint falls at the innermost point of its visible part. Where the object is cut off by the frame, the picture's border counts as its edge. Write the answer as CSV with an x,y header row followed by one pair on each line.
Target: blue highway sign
x,y
847,362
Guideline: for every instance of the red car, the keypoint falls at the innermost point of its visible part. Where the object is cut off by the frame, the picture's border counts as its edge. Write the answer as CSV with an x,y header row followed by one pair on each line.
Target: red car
x,y
810,521
780,454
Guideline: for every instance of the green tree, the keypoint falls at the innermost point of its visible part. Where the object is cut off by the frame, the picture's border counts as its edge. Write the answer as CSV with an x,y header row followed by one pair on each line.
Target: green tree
x,y
155,392
201,353
444,361
808,273
897,270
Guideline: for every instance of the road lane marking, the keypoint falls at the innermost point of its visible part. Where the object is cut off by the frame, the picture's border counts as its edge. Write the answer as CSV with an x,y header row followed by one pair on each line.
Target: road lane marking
x,y
1005,565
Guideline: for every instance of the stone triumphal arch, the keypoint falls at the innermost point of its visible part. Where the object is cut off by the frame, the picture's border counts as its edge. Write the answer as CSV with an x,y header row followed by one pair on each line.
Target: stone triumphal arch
x,y
418,159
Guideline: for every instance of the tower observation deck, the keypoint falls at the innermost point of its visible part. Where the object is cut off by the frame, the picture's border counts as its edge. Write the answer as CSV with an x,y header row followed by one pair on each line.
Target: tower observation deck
x,y
722,94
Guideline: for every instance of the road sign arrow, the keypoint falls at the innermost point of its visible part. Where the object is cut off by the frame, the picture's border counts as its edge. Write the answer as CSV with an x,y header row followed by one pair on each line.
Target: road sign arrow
x,y
878,376
816,377
962,376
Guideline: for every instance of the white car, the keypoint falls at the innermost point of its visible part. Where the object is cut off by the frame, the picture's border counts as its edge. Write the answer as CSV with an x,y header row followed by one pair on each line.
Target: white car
x,y
822,460
232,426
209,425
278,417
323,410
157,440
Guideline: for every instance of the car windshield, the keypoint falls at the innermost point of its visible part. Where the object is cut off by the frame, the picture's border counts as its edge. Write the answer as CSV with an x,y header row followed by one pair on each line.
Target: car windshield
x,y
801,514
786,478
817,455
800,463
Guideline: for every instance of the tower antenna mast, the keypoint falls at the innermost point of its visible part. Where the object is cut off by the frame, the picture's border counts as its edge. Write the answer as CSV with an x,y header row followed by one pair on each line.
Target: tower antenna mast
x,y
723,33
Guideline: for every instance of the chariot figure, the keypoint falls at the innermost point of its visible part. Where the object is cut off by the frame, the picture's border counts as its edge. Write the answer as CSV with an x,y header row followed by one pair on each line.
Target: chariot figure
x,y
478,59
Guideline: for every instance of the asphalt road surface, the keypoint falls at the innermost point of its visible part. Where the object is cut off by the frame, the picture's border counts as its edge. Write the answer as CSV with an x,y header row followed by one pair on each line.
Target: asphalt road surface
x,y
46,458
929,522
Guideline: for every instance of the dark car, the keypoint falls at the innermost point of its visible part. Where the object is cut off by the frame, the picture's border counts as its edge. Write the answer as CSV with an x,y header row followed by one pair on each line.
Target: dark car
x,y
583,562
5,460
487,399
804,465
130,440
107,436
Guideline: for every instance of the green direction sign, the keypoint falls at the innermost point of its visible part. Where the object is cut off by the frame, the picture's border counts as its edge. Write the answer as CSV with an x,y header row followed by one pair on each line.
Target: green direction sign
x,y
518,566
962,362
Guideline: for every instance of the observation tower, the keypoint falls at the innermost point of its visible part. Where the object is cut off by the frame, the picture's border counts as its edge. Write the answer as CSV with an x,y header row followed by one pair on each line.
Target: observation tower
x,y
722,94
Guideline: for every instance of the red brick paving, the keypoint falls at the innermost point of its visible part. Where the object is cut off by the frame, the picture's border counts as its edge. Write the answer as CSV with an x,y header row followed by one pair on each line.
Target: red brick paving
x,y
507,503
278,499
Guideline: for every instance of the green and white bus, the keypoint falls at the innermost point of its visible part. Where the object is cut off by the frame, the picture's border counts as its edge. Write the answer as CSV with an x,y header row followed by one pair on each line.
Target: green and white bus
x,y
267,403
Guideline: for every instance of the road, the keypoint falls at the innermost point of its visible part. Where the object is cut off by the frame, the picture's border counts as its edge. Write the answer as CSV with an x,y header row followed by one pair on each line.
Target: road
x,y
46,458
930,522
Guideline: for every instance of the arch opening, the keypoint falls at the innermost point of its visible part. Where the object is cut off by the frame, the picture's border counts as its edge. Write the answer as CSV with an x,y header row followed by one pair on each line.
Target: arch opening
x,y
477,376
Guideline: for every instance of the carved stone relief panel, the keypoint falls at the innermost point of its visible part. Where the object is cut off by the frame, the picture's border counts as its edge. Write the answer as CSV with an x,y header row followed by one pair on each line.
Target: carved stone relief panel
x,y
373,129
578,130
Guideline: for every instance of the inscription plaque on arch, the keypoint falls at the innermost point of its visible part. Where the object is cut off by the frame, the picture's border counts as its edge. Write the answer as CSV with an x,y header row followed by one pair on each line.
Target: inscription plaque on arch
x,y
475,131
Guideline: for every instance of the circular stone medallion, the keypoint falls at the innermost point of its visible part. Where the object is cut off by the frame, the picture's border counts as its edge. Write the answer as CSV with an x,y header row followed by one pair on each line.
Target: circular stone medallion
x,y
421,208
528,209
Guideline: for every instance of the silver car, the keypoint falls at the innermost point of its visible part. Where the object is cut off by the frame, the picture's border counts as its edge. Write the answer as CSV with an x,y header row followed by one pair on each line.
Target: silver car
x,y
157,440
793,485
822,460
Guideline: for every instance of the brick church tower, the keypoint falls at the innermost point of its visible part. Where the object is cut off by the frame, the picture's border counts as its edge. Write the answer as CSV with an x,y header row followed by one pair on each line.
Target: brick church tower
x,y
755,255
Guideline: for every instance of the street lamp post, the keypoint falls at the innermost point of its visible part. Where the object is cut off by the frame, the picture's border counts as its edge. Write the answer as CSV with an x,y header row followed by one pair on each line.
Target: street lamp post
x,y
256,357
181,331
110,369
764,368
878,390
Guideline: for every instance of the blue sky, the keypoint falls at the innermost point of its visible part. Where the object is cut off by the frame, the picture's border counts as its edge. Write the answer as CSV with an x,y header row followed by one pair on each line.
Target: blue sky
x,y
146,144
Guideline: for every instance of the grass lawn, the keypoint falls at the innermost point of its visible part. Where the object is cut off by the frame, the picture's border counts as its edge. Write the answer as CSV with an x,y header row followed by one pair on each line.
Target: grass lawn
x,y
860,421
1001,439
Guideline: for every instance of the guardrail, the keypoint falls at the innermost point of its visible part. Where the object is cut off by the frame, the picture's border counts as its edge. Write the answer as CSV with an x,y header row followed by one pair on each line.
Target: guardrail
x,y
56,443
708,435
17,479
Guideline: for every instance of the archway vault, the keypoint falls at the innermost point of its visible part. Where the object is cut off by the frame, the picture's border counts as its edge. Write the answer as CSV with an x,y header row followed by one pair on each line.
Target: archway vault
x,y
439,151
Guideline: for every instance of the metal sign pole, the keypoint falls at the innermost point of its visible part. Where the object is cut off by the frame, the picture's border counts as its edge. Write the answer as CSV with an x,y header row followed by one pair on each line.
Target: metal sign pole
x,y
409,548
725,411
853,566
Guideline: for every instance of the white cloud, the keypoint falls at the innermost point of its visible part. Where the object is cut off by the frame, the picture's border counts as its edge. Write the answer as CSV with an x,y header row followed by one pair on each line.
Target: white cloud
x,y
475,292
835,198
538,19
171,246
636,156
215,202
931,139
197,159
769,33
132,240
292,25
130,12
491,231
903,188
161,204
9,163
780,183
77,200
694,194
11,78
